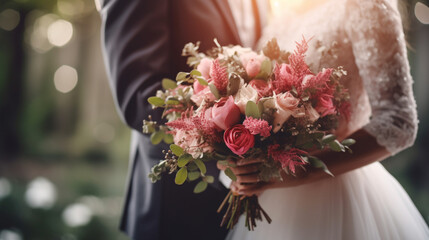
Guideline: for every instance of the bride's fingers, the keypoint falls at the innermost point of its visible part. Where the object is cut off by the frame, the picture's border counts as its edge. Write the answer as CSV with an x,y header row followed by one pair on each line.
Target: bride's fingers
x,y
248,161
249,190
240,170
249,178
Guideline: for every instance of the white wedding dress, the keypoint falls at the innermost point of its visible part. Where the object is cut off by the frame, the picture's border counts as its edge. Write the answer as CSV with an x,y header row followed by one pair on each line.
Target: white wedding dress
x,y
366,37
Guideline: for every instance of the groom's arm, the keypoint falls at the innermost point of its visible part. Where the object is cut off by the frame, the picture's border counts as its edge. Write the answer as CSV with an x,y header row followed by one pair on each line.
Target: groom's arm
x,y
136,47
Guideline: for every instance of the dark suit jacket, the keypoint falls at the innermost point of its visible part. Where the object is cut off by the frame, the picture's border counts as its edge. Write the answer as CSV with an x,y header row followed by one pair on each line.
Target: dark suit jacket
x,y
143,40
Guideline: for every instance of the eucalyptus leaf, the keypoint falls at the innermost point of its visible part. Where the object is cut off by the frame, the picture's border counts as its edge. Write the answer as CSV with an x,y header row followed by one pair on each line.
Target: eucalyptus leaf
x,y
202,81
317,163
209,179
252,110
168,83
336,146
348,142
265,71
168,138
201,165
156,101
172,101
192,167
195,73
230,174
328,138
192,176
157,137
200,187
181,176
214,90
184,159
226,163
178,151
181,76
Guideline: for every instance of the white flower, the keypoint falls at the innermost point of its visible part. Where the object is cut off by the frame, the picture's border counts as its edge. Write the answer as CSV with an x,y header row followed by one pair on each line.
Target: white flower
x,y
245,93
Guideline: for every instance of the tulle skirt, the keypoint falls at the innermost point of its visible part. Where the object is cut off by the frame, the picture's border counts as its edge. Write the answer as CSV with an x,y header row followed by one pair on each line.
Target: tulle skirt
x,y
367,203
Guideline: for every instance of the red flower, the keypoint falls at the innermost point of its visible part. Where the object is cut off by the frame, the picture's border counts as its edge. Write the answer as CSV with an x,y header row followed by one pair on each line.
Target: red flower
x,y
239,139
257,126
288,158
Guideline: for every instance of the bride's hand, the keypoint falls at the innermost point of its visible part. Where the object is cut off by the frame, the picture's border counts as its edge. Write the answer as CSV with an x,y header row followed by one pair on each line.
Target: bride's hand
x,y
247,172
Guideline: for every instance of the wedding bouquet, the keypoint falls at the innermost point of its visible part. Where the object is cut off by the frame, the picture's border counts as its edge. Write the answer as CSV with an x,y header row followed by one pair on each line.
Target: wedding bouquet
x,y
240,104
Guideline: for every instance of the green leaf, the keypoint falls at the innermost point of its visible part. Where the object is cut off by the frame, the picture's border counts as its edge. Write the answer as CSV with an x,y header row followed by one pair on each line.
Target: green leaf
x,y
336,146
168,138
201,165
252,110
195,73
348,142
168,83
193,175
157,137
192,167
181,76
226,163
214,90
178,151
156,101
265,71
184,159
200,187
172,101
328,138
230,174
209,179
202,81
317,163
181,176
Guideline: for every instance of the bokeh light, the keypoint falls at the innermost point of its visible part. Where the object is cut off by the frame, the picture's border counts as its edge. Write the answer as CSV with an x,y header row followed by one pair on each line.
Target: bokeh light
x,y
41,193
422,12
60,32
10,235
9,19
38,36
77,214
65,79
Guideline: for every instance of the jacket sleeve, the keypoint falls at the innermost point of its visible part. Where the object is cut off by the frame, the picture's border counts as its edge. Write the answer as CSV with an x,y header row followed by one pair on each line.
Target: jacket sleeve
x,y
135,37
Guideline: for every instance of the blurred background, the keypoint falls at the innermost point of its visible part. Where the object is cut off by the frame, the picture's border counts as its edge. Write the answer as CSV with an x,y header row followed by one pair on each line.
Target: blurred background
x,y
63,149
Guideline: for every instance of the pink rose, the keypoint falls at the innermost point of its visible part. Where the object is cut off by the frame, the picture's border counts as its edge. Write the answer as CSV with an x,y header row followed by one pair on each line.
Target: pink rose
x,y
286,105
204,67
203,95
239,139
225,113
192,142
263,88
325,106
252,63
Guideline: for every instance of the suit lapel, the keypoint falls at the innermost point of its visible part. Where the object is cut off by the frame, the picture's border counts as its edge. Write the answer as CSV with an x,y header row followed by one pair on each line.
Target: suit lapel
x,y
223,7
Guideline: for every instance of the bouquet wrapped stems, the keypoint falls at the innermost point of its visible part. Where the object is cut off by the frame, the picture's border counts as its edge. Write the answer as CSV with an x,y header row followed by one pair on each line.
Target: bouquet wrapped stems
x,y
239,205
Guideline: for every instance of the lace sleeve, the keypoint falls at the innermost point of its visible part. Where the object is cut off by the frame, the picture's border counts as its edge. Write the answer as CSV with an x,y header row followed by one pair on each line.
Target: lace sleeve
x,y
375,29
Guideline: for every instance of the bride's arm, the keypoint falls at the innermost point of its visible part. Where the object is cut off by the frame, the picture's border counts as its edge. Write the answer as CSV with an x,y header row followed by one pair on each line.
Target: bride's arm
x,y
375,29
